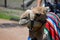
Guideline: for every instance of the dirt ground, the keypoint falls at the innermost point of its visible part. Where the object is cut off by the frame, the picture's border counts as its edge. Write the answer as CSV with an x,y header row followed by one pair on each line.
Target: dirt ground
x,y
12,33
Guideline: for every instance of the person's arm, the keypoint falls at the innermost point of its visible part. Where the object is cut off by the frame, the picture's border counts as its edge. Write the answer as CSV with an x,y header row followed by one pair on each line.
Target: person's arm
x,y
39,3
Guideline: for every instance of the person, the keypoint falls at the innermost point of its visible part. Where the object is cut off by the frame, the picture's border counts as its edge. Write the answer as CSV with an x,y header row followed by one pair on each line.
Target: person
x,y
39,3
27,3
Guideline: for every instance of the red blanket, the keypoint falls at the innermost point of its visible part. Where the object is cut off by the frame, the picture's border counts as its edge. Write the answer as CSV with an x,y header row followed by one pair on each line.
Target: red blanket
x,y
53,27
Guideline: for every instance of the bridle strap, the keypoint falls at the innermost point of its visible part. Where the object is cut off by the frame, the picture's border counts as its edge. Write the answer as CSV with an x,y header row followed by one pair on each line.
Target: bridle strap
x,y
40,27
32,24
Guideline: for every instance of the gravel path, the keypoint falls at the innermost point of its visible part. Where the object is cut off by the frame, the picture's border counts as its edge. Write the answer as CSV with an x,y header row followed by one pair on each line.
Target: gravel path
x,y
10,30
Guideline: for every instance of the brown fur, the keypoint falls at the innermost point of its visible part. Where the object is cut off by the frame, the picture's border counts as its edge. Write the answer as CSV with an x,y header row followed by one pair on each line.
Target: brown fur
x,y
38,34
41,10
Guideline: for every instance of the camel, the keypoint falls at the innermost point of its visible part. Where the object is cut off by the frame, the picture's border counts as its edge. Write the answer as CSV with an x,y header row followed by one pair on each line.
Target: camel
x,y
35,20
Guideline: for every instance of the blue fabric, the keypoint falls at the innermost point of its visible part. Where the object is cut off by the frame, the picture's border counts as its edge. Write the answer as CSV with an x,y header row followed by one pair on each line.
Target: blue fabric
x,y
29,38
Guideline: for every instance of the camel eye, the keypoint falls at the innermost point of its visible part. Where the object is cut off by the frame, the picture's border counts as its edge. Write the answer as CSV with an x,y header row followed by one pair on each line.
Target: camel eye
x,y
38,14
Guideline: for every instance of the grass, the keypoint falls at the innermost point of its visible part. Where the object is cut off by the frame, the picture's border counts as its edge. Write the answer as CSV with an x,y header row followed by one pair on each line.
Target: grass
x,y
4,15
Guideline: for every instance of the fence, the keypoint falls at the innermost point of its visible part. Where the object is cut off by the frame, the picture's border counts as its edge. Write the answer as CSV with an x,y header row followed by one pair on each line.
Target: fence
x,y
11,3
14,3
1,2
17,3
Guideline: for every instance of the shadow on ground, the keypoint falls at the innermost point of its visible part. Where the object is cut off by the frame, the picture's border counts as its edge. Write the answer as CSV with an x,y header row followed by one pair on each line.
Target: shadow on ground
x,y
8,25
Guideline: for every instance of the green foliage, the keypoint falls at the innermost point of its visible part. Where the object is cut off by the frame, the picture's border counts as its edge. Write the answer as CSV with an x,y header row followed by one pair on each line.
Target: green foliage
x,y
5,16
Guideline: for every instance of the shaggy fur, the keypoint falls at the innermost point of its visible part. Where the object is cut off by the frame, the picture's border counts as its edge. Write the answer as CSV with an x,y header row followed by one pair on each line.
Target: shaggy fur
x,y
39,34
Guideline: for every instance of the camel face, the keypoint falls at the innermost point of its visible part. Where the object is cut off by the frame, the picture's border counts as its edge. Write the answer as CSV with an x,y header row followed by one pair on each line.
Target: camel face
x,y
39,17
36,31
38,14
36,18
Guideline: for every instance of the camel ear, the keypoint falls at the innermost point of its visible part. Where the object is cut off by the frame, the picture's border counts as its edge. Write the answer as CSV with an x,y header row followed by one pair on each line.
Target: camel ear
x,y
47,9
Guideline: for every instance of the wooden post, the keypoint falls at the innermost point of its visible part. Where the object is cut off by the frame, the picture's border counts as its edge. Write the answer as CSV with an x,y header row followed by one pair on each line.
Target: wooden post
x,y
23,4
5,3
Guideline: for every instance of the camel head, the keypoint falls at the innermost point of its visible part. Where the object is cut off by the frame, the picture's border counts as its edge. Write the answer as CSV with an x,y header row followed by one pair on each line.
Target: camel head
x,y
37,14
35,18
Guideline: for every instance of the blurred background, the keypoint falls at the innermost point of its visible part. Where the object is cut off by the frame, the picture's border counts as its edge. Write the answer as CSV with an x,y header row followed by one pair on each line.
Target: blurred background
x,y
14,8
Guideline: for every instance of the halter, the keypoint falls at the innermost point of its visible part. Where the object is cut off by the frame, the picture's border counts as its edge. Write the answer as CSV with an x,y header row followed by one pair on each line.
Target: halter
x,y
32,24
